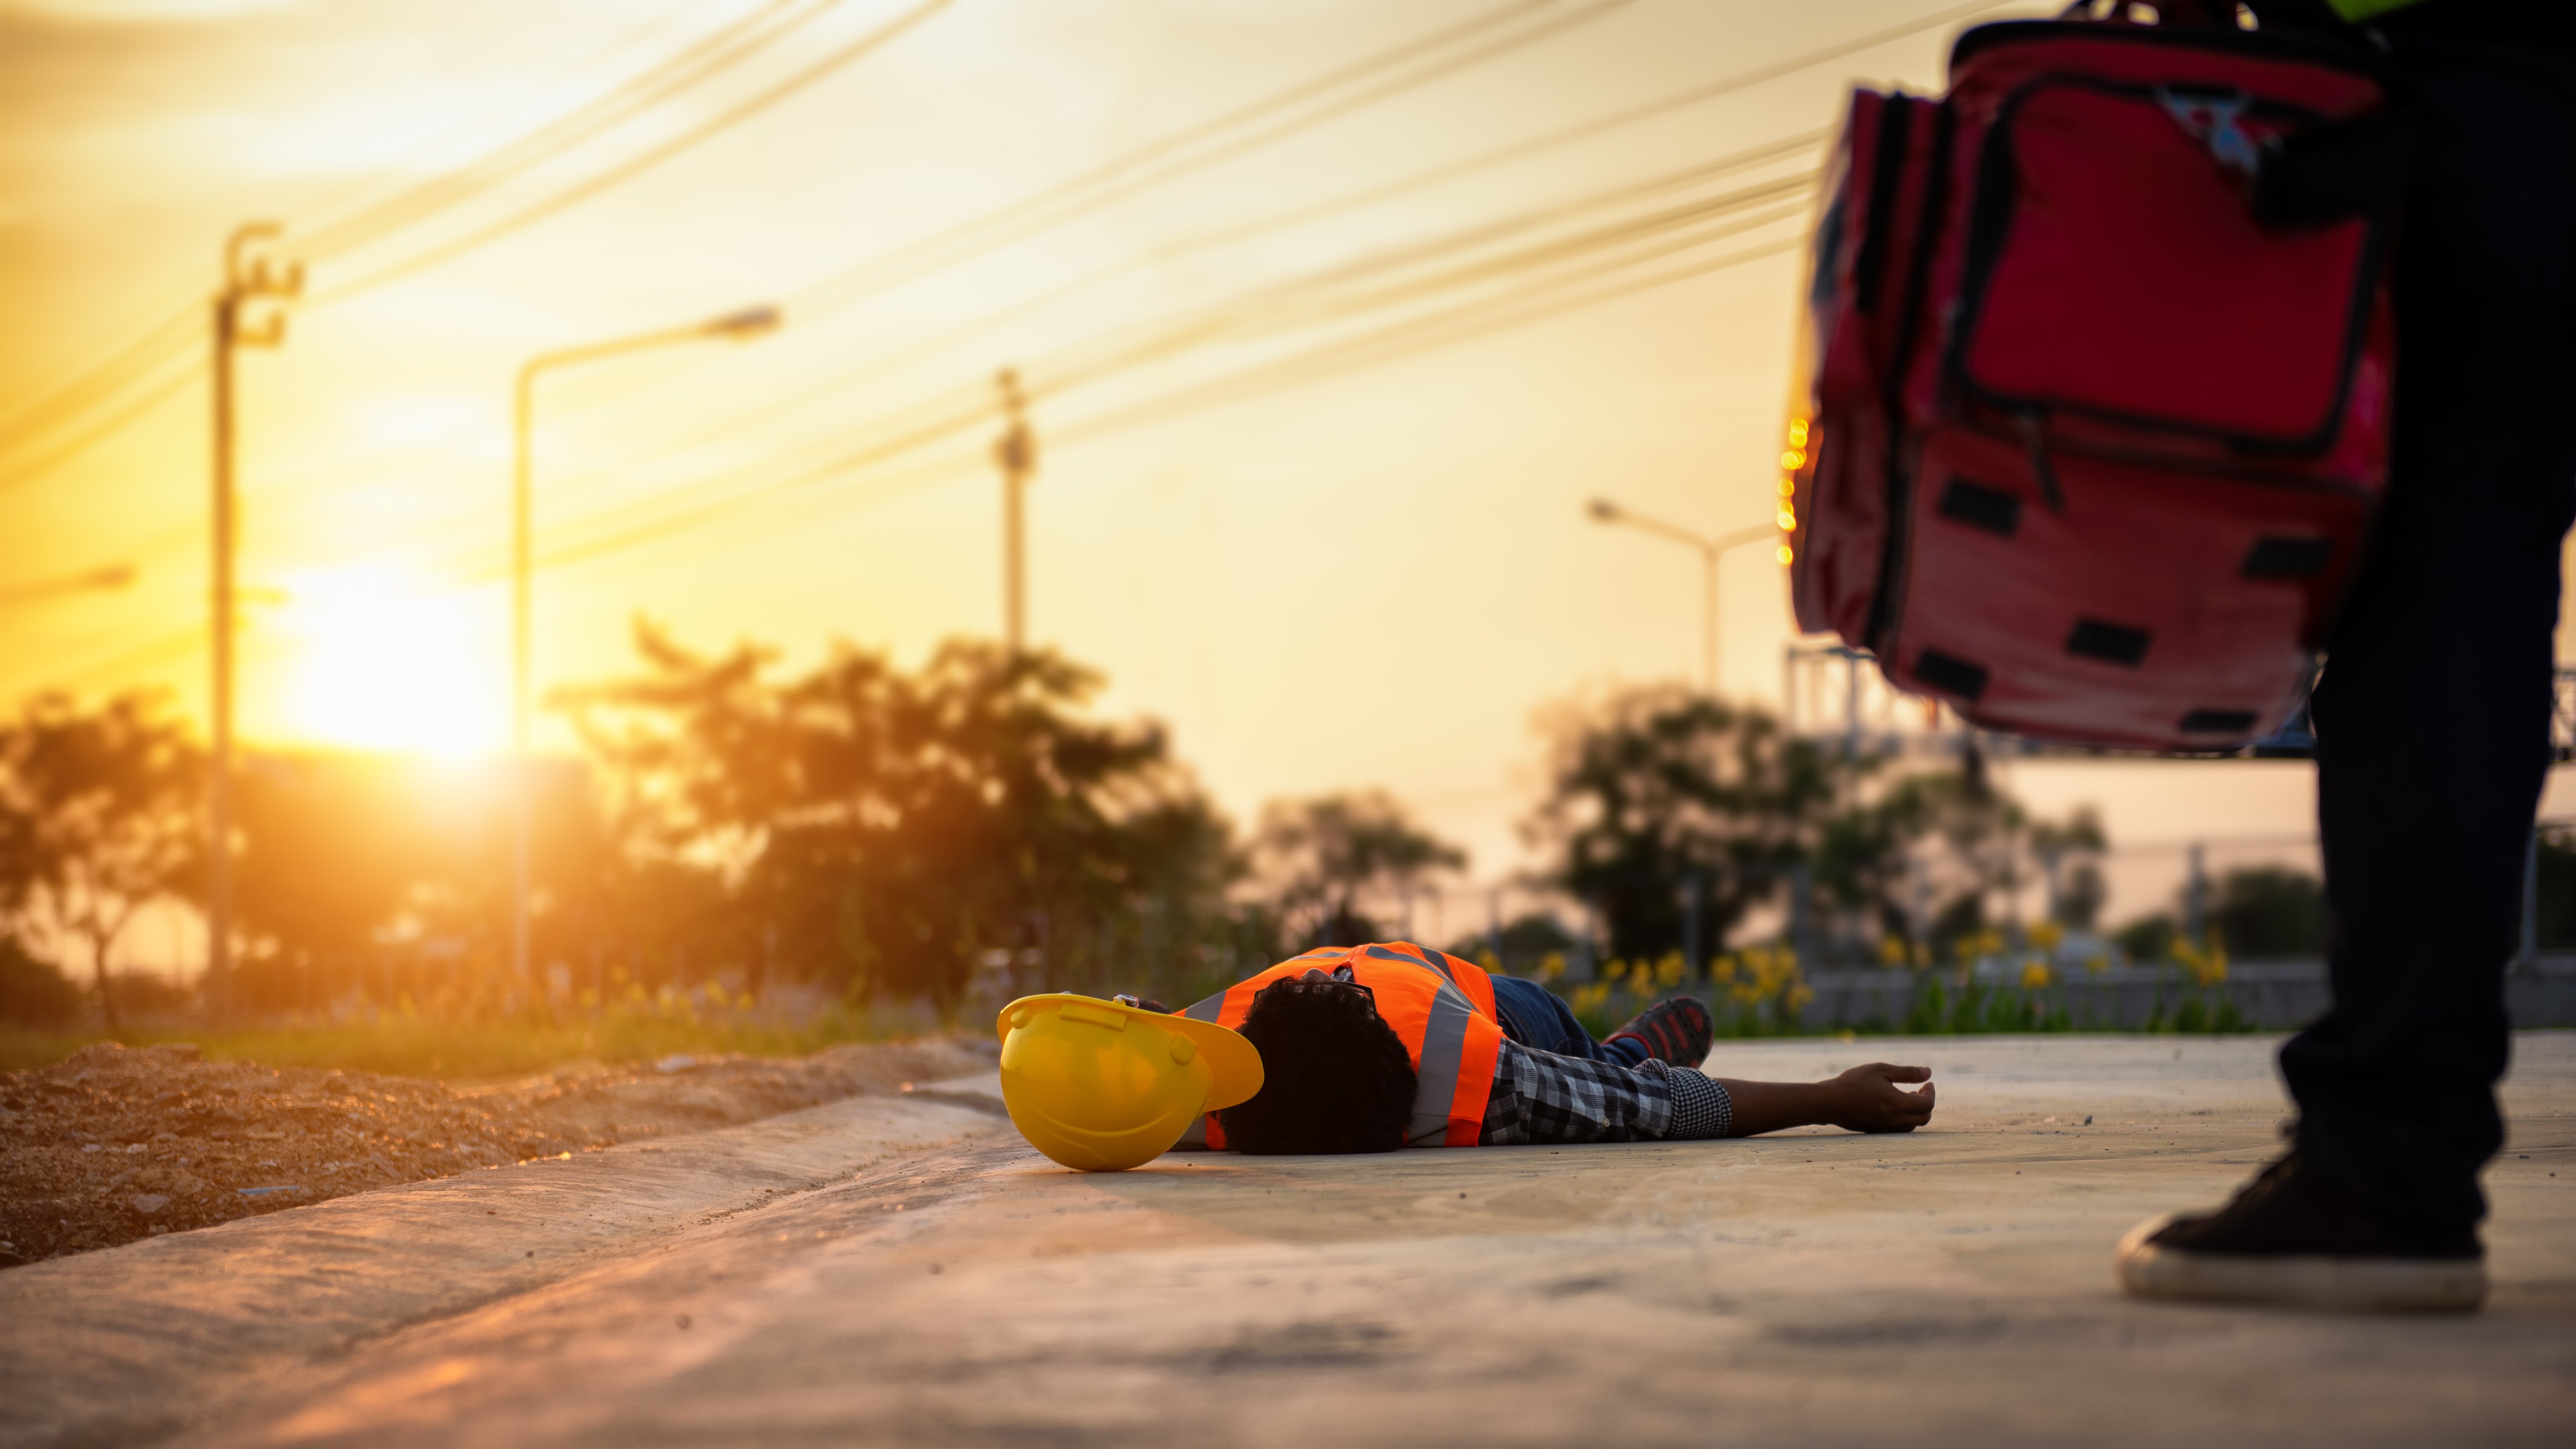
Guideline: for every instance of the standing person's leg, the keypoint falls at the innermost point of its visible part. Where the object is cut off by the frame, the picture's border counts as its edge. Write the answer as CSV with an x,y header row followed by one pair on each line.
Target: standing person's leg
x,y
2433,716
2432,726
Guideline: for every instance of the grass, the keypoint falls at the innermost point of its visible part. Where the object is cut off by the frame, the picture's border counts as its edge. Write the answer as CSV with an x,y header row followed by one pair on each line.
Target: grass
x,y
405,1045
1937,1008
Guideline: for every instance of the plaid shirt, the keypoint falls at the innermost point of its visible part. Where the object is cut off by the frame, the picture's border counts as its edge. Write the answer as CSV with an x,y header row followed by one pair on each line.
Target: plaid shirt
x,y
1540,1097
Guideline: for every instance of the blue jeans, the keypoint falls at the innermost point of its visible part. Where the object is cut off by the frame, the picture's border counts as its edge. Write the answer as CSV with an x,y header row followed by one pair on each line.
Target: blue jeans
x,y
1539,1019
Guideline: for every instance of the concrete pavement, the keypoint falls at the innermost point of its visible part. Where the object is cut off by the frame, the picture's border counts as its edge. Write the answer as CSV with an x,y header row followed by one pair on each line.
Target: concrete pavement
x,y
1950,1287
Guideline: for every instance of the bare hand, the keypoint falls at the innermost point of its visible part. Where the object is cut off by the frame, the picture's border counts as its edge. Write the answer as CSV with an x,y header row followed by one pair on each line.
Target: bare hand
x,y
1867,1099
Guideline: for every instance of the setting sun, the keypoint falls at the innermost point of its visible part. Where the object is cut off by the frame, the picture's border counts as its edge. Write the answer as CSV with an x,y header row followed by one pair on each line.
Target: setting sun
x,y
381,662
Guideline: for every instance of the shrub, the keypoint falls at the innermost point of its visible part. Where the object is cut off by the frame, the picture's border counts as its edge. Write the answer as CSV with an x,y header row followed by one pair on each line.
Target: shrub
x,y
33,992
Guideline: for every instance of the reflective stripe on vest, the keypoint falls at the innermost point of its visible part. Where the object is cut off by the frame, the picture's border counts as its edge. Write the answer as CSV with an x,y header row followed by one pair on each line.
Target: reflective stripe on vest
x,y
1442,1009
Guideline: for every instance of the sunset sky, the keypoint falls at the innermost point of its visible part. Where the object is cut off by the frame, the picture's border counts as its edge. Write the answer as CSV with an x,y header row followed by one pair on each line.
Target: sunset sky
x,y
1303,493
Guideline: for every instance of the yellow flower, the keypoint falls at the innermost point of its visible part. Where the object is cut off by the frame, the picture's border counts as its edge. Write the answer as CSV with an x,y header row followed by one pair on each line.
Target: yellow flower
x,y
2097,964
1551,966
2046,935
2206,968
2034,974
1892,951
1669,971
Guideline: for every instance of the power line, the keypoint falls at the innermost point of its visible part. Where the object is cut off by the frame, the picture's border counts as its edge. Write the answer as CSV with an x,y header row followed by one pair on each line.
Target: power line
x,y
879,367
1401,339
824,298
155,345
967,418
710,55
1321,86
169,387
179,326
652,156
1102,185
964,410
1392,345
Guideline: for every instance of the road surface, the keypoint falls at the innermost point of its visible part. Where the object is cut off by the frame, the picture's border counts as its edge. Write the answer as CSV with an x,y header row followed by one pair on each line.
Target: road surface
x,y
908,1272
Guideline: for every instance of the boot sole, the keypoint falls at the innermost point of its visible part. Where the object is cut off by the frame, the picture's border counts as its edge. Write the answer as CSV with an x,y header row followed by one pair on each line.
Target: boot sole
x,y
2351,1285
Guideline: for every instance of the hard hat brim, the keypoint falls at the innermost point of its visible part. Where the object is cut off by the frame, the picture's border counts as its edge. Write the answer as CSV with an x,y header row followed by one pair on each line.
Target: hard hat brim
x,y
1232,1060
1234,1064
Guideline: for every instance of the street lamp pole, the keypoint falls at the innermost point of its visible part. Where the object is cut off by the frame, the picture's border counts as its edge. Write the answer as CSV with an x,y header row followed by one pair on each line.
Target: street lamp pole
x,y
738,326
110,577
1711,552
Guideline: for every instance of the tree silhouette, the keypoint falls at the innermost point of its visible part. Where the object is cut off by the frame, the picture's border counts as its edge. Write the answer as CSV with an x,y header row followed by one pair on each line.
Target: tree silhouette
x,y
101,812
892,827
1659,785
1321,855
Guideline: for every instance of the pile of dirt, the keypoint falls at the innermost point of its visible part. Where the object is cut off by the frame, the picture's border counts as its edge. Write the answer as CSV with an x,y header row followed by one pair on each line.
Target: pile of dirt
x,y
115,1143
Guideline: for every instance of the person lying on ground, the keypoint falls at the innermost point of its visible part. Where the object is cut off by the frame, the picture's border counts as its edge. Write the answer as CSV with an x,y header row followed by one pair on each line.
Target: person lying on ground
x,y
1371,1048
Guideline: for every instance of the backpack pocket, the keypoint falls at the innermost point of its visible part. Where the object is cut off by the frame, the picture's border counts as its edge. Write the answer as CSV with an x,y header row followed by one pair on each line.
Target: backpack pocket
x,y
2116,272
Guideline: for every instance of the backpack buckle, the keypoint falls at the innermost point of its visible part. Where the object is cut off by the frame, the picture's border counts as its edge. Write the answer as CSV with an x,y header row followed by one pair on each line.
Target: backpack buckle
x,y
2213,119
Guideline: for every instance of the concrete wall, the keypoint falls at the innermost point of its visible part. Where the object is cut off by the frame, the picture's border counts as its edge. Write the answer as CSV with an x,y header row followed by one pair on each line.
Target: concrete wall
x,y
2275,995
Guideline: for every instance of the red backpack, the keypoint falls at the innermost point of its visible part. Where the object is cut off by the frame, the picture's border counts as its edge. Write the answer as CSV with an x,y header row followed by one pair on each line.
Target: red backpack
x,y
2098,356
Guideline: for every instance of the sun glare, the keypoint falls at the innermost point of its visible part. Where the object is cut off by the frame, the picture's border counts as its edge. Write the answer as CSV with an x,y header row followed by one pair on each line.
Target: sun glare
x,y
384,664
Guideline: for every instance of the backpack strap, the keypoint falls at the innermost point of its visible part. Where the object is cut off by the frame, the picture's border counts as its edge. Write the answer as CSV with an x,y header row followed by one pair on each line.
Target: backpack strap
x,y
2206,14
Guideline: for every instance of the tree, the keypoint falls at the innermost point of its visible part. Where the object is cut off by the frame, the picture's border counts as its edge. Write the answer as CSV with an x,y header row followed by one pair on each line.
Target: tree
x,y
2557,888
1657,785
102,820
2270,910
331,847
1323,855
891,828
32,992
2069,853
1525,943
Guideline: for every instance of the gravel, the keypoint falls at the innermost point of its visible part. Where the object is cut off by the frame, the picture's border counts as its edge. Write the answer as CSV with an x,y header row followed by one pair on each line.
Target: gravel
x,y
114,1143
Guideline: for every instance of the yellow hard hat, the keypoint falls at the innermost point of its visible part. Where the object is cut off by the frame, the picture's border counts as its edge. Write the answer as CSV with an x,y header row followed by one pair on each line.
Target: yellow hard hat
x,y
1102,1087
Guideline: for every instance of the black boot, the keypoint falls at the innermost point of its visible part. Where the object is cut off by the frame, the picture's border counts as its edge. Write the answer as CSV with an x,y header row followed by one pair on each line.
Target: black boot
x,y
2291,1238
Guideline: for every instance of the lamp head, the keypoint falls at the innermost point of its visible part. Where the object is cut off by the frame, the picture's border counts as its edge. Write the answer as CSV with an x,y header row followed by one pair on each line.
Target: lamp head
x,y
746,324
1603,510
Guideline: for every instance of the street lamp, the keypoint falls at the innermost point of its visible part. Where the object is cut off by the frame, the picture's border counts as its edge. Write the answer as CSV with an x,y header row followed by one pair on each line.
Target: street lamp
x,y
1710,551
740,326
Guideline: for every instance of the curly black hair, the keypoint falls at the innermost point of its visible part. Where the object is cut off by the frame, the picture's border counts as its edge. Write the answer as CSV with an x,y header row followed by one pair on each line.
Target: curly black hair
x,y
1335,1076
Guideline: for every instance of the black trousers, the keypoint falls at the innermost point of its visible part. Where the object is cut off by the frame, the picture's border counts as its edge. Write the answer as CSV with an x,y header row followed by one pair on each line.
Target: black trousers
x,y
2432,718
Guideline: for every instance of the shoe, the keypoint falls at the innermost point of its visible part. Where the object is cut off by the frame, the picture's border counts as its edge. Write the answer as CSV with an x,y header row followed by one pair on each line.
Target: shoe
x,y
2293,1239
1679,1031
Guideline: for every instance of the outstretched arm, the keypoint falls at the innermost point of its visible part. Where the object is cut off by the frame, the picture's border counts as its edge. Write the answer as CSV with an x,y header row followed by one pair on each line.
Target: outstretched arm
x,y
1864,1099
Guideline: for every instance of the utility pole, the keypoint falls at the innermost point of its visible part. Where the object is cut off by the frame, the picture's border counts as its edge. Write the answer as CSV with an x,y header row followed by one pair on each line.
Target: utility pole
x,y
1017,451
245,281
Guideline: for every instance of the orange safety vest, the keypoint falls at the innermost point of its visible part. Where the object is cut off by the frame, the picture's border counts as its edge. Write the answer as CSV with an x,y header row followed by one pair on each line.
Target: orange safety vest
x,y
1442,1008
